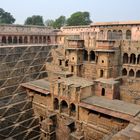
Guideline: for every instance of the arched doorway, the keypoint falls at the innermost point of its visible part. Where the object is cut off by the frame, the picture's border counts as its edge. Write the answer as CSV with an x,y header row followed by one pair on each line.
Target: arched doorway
x,y
125,58
72,110
56,104
4,39
20,39
138,59
103,92
15,40
64,107
133,58
9,39
92,56
131,73
48,40
124,72
25,40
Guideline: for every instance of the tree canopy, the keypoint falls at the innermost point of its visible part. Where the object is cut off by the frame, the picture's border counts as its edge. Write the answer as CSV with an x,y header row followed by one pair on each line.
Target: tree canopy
x,y
6,17
59,22
79,18
49,22
34,20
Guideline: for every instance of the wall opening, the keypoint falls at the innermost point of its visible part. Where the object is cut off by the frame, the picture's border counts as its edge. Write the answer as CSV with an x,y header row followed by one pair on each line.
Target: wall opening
x,y
72,110
128,34
124,72
85,55
103,92
92,56
101,73
138,74
125,58
9,39
131,73
72,68
133,58
64,107
56,104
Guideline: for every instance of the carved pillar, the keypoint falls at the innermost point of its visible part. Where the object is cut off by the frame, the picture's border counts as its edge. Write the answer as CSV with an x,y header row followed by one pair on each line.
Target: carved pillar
x,y
28,40
17,39
7,40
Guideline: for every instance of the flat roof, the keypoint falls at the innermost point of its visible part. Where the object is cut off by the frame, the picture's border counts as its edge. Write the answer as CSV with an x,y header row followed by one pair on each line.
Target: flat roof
x,y
115,23
76,81
42,86
107,81
116,108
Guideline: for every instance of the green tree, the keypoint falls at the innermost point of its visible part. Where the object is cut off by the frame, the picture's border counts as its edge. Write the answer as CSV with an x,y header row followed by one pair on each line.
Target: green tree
x,y
49,22
59,22
6,17
34,20
79,18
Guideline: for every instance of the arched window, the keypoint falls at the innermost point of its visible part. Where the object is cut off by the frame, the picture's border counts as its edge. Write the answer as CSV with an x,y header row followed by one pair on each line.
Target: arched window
x,y
25,40
101,73
3,39
120,35
125,58
138,74
131,73
72,109
109,34
138,59
20,39
15,40
64,107
56,104
85,55
9,39
128,34
114,34
124,72
92,56
133,58
103,92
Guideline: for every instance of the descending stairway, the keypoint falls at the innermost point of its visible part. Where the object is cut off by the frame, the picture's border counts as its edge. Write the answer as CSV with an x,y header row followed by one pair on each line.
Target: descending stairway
x,y
20,64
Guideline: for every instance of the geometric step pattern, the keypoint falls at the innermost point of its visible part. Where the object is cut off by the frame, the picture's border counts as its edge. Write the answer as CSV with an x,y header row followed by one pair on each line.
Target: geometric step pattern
x,y
20,64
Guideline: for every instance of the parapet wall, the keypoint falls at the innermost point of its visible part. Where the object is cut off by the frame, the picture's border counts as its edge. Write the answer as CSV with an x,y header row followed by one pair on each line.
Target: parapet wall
x,y
19,64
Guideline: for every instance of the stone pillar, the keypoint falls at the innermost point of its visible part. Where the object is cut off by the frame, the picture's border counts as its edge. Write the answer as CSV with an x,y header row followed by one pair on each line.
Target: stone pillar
x,y
17,39
0,39
28,39
6,39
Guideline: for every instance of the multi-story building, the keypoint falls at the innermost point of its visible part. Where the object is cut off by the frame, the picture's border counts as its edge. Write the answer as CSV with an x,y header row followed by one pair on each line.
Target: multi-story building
x,y
91,90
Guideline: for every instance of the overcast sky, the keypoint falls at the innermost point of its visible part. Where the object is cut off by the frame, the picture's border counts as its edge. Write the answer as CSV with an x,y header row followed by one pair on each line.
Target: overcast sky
x,y
100,10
